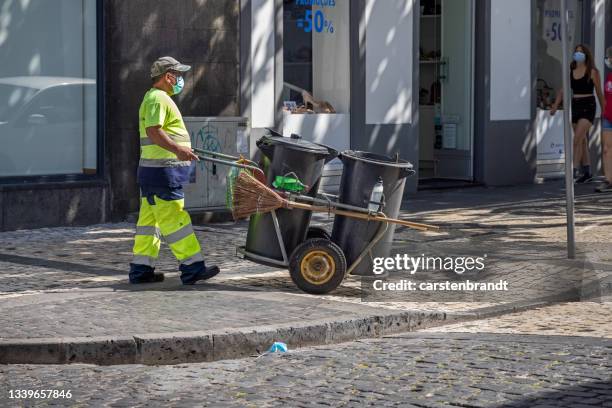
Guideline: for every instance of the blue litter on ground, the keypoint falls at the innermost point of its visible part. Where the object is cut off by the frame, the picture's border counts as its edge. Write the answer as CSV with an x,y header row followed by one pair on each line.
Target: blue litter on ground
x,y
278,347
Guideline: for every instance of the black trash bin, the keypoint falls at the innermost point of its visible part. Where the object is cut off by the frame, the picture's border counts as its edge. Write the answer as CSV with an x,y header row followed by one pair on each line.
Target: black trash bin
x,y
362,171
283,156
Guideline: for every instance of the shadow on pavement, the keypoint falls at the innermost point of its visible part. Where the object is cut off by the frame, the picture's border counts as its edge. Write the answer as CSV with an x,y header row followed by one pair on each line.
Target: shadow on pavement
x,y
61,265
586,394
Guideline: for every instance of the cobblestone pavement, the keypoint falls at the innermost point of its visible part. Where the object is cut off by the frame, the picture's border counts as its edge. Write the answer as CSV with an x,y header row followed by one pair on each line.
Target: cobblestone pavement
x,y
514,230
570,319
484,369
69,281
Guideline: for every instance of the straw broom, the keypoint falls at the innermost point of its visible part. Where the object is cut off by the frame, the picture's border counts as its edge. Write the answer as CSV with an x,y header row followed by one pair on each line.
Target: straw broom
x,y
253,197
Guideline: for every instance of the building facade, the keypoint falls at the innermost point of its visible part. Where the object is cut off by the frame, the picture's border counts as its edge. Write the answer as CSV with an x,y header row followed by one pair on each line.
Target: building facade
x,y
458,87
70,89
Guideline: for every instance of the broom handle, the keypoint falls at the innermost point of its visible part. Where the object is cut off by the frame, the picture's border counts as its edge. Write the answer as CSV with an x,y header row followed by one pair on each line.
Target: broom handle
x,y
366,217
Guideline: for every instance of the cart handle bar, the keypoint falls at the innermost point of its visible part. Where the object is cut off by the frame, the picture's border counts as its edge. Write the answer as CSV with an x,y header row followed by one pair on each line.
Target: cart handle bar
x,y
257,172
222,156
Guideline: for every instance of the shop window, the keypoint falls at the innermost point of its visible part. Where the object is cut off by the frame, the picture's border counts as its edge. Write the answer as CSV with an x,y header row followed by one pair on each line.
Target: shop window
x,y
48,94
550,51
316,56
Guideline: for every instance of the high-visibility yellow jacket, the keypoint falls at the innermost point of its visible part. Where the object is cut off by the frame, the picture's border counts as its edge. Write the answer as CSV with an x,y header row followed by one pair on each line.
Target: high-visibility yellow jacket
x,y
158,166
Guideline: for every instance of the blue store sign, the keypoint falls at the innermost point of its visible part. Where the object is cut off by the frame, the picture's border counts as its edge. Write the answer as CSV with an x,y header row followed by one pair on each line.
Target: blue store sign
x,y
317,20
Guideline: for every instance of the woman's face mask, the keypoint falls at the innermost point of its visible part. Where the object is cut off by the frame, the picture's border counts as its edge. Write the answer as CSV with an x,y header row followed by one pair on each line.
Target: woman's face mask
x,y
609,62
579,56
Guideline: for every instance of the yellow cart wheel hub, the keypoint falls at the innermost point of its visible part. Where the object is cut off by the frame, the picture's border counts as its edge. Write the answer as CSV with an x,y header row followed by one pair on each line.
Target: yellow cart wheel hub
x,y
318,267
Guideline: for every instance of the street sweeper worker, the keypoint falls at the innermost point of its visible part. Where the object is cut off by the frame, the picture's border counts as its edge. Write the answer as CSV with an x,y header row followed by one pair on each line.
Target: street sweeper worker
x,y
165,165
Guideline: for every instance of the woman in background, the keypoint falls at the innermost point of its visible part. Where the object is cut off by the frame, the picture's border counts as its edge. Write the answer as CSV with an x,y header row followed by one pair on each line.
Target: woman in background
x,y
606,127
585,81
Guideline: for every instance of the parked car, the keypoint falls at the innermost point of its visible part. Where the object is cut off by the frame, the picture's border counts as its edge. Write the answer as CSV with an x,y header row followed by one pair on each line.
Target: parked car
x,y
47,125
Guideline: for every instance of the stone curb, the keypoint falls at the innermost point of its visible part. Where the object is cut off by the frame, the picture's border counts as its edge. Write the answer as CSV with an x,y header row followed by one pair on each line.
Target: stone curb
x,y
183,347
206,346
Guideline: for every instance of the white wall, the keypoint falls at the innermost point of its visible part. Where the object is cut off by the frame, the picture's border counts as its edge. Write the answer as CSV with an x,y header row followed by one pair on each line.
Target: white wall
x,y
329,129
262,63
511,32
389,39
331,58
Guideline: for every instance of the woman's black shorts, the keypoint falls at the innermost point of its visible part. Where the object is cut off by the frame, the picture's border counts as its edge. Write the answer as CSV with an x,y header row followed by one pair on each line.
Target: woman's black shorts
x,y
583,108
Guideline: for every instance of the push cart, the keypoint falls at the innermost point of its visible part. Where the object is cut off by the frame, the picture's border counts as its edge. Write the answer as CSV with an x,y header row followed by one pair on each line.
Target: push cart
x,y
317,264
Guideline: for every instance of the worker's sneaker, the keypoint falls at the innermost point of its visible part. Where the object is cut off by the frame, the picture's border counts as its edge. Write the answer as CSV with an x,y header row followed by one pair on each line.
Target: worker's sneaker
x,y
206,274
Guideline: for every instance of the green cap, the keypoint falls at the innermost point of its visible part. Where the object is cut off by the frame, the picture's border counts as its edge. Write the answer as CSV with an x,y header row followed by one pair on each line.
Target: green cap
x,y
165,64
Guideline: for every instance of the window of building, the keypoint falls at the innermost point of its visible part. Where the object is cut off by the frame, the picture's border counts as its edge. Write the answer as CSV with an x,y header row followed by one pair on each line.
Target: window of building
x,y
48,93
316,56
550,51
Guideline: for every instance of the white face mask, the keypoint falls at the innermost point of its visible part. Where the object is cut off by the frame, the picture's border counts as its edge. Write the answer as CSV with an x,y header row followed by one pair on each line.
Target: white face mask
x,y
609,62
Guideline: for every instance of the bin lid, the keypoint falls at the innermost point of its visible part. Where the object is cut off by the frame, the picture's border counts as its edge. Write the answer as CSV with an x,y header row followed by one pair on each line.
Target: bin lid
x,y
296,143
374,158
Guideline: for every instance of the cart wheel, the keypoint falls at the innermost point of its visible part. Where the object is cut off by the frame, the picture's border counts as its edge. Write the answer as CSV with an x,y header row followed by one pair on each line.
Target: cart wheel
x,y
317,232
317,266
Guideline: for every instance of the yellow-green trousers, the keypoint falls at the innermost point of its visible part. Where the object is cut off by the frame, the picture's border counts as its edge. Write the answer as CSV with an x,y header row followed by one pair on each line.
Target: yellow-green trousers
x,y
168,219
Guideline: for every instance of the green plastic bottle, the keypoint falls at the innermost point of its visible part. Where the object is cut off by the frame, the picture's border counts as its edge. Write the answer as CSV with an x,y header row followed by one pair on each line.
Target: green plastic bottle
x,y
290,184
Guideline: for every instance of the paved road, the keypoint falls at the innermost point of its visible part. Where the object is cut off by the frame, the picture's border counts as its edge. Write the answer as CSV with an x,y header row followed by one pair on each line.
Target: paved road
x,y
428,369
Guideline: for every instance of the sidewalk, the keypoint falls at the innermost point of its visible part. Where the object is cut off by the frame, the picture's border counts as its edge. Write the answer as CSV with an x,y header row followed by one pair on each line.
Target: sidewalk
x,y
64,295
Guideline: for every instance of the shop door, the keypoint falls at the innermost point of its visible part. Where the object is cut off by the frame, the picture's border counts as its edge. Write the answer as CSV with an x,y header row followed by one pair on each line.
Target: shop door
x,y
456,156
